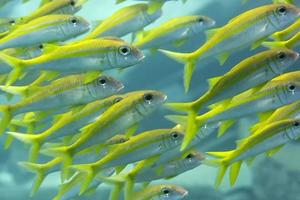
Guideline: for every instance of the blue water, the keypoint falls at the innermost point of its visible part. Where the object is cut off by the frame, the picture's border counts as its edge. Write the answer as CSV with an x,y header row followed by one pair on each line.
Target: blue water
x,y
273,178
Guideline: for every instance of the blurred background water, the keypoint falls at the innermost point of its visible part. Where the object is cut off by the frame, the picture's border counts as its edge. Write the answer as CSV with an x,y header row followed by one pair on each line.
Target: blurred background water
x,y
269,178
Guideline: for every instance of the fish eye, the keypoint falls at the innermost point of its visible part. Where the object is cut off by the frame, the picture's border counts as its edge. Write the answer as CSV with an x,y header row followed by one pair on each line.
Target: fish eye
x,y
72,3
189,156
118,99
124,50
292,88
296,123
148,98
165,191
74,21
41,46
281,10
12,22
174,135
200,20
102,81
281,55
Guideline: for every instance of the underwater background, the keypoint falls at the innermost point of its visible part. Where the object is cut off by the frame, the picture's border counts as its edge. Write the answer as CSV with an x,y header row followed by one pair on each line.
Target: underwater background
x,y
268,178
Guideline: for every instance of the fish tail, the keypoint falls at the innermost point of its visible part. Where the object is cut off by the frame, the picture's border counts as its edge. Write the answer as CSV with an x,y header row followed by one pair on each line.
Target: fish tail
x,y
234,172
225,125
40,174
272,45
116,192
6,118
63,152
89,175
34,140
17,66
129,186
182,107
222,169
222,162
9,140
186,59
191,129
15,90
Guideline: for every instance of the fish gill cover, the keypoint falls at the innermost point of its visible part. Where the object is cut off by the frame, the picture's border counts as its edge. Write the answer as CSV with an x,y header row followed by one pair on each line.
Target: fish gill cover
x,y
149,99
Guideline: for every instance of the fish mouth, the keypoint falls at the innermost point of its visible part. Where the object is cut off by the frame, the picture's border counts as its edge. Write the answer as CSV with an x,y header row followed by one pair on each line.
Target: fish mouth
x,y
295,56
141,57
164,98
184,193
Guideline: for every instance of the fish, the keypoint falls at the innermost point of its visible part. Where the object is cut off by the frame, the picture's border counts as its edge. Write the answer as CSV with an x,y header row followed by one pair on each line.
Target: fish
x,y
67,124
161,192
288,33
6,24
251,72
170,169
85,56
62,7
290,111
175,31
127,20
52,28
251,27
270,139
291,43
121,117
142,146
277,93
27,53
52,166
70,189
70,91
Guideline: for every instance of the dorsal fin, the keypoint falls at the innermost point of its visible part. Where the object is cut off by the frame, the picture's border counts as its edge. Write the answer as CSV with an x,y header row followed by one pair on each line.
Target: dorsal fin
x,y
213,81
209,33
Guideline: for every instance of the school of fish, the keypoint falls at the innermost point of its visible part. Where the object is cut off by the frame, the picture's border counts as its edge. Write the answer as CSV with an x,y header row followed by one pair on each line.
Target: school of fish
x,y
70,112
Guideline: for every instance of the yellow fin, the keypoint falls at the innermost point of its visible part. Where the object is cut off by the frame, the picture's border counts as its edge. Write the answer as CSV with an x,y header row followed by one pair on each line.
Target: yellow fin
x,y
224,104
241,141
271,152
257,43
209,33
131,130
265,115
225,125
234,172
220,154
222,58
213,81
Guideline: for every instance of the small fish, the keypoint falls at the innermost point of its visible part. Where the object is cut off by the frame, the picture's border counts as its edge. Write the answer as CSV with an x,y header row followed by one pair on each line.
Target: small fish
x,y
291,43
45,29
249,73
71,189
176,31
142,146
6,24
64,7
277,93
67,124
251,27
270,140
52,166
161,192
70,91
122,116
169,170
290,111
85,56
288,33
127,20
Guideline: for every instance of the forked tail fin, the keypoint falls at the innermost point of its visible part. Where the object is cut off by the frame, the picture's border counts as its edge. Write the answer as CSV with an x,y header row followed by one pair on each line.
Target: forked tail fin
x,y
188,60
17,66
6,118
40,174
